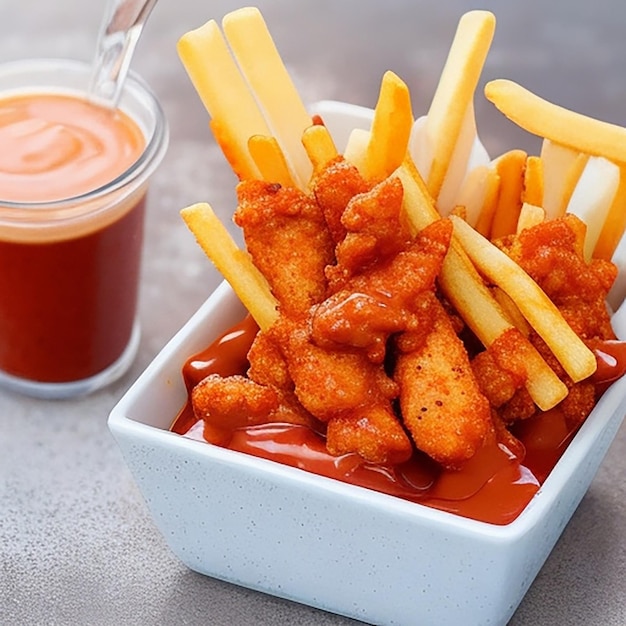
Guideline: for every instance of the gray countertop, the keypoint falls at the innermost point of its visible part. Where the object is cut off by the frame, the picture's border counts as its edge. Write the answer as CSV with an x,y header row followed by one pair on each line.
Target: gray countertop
x,y
77,545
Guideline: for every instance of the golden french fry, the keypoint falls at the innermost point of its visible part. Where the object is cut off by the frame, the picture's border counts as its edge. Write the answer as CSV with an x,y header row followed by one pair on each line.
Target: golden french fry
x,y
529,216
576,358
615,222
391,129
224,93
490,201
263,68
270,160
562,168
319,145
567,128
455,91
511,310
234,264
510,167
533,181
592,198
465,289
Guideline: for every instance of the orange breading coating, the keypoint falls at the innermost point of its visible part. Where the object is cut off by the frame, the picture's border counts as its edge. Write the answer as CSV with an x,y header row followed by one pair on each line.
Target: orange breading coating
x,y
344,385
287,237
236,401
367,311
372,431
376,229
552,254
266,363
333,188
441,404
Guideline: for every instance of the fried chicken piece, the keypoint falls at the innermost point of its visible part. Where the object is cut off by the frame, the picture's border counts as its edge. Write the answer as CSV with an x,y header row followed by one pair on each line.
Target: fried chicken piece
x,y
266,363
500,369
552,254
440,401
375,304
376,229
236,402
333,188
286,235
346,390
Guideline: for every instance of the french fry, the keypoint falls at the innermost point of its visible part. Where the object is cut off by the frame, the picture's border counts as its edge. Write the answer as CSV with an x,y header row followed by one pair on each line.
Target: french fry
x,y
559,125
593,197
578,361
490,201
511,168
258,59
478,191
455,91
466,290
356,148
225,95
529,216
234,264
319,146
562,168
390,131
615,222
270,160
532,192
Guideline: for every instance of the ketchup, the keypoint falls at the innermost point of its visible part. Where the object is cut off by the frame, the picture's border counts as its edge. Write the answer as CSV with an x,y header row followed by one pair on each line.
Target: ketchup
x,y
67,293
494,486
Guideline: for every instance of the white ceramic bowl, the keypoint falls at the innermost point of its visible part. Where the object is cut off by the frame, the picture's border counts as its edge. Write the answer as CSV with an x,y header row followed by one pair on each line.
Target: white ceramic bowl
x,y
338,547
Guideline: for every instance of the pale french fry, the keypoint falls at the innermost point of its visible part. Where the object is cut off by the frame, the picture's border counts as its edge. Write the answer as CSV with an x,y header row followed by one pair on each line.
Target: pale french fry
x,y
476,191
533,181
529,216
466,290
593,197
391,129
234,264
567,128
562,168
459,163
224,93
270,160
511,167
615,222
356,148
576,358
455,91
319,145
263,68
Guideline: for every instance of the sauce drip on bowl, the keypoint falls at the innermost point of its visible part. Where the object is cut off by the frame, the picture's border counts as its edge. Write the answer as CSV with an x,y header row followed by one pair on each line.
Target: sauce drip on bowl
x,y
494,486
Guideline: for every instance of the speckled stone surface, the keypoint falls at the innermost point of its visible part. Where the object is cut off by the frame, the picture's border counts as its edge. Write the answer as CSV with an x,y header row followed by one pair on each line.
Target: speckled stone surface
x,y
77,545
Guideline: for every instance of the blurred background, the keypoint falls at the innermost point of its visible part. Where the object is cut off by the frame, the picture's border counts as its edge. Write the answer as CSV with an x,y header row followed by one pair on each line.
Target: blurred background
x,y
76,542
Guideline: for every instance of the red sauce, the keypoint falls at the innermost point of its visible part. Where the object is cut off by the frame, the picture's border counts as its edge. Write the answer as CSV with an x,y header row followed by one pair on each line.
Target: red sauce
x,y
494,486
68,299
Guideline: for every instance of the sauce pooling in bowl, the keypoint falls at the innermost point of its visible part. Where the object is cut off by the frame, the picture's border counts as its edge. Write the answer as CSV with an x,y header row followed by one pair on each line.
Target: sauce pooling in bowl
x,y
494,486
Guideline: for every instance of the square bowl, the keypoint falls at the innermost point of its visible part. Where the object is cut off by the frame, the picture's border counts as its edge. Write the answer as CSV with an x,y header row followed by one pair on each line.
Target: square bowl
x,y
334,546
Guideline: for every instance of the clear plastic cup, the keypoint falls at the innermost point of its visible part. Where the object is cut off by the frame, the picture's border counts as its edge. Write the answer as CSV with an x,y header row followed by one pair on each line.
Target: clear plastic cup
x,y
70,268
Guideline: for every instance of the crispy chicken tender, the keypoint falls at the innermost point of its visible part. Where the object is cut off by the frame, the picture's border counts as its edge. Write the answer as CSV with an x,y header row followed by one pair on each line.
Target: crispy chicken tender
x,y
287,237
346,390
552,254
236,402
376,304
333,188
441,404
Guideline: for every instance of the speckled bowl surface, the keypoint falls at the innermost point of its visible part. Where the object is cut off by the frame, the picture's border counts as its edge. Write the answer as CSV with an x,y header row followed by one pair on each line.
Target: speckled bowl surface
x,y
334,546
